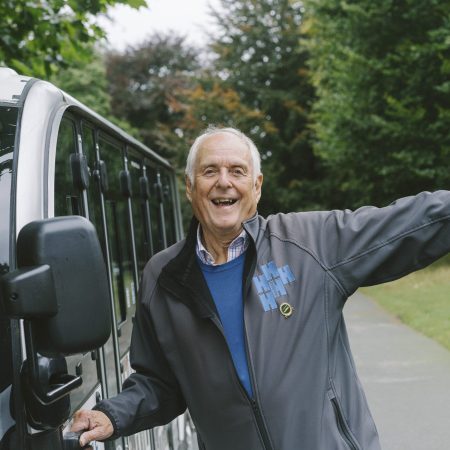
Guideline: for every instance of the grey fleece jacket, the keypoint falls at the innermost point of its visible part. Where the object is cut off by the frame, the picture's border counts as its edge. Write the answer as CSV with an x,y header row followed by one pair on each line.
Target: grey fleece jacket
x,y
306,391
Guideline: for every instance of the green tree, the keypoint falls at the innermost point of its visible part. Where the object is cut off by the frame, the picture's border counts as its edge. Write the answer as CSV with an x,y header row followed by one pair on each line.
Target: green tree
x,y
87,82
381,72
258,54
146,84
39,36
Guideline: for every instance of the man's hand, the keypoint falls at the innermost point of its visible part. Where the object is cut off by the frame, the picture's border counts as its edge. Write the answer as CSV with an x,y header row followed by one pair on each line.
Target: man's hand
x,y
97,425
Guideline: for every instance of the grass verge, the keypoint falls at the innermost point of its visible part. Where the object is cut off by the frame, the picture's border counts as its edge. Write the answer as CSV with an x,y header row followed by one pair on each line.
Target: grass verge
x,y
421,300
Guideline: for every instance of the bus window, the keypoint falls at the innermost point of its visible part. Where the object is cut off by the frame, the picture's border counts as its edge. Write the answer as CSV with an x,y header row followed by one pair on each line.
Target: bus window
x,y
67,199
119,239
157,232
169,212
95,216
8,119
141,211
95,211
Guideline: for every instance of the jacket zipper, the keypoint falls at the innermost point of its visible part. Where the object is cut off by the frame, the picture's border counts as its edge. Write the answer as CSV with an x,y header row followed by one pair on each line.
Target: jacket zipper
x,y
254,401
343,427
260,423
261,426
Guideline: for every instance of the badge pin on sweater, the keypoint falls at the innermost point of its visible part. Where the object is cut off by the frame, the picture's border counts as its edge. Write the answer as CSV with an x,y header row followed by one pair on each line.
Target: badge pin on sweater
x,y
286,310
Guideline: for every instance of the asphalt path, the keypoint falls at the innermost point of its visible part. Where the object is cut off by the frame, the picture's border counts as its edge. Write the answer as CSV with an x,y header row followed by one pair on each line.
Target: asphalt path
x,y
406,377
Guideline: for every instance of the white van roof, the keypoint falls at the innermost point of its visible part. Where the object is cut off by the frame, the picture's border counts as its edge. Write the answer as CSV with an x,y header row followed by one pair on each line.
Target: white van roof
x,y
11,85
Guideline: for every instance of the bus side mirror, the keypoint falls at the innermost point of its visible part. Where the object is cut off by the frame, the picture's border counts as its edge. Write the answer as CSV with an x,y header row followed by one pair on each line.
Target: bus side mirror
x,y
61,291
61,286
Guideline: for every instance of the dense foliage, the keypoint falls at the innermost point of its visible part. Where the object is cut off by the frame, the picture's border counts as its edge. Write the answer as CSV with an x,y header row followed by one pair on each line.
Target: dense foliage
x,y
146,84
39,36
382,71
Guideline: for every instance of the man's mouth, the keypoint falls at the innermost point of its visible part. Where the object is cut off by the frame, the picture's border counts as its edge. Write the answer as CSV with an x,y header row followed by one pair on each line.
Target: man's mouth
x,y
224,201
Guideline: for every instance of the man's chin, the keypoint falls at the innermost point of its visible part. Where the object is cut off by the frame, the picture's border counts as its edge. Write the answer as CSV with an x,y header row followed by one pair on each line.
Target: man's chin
x,y
228,227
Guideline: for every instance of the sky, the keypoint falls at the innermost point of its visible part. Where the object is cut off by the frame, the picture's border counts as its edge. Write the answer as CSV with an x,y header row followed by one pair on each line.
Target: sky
x,y
128,26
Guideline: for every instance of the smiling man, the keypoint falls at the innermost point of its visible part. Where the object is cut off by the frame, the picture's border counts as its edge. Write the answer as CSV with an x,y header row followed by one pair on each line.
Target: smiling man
x,y
242,322
223,184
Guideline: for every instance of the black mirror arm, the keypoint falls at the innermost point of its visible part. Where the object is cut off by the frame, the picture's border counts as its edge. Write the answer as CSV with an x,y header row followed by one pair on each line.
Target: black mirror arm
x,y
62,385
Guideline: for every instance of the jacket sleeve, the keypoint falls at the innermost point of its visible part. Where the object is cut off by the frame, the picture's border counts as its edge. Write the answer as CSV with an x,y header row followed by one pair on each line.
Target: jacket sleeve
x,y
374,245
151,396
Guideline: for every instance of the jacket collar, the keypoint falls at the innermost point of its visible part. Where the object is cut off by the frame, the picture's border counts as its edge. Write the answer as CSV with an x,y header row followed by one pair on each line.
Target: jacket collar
x,y
183,278
253,226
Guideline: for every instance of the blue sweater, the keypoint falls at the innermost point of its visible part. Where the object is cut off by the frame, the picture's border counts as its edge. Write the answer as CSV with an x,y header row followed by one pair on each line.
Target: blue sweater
x,y
225,284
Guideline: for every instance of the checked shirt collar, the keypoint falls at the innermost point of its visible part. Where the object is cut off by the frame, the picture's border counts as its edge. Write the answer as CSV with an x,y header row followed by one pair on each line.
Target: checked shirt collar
x,y
236,248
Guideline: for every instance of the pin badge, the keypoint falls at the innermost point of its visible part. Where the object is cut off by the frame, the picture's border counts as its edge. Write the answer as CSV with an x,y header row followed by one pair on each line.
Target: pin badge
x,y
286,310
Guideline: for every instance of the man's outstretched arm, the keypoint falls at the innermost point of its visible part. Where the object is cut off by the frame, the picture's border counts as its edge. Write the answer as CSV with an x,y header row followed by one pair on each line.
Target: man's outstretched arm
x,y
375,245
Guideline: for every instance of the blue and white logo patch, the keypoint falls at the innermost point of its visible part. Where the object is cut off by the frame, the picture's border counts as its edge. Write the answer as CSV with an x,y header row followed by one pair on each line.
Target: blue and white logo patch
x,y
270,285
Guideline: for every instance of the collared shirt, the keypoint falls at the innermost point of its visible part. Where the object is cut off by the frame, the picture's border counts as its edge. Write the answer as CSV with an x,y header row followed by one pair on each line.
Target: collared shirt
x,y
236,248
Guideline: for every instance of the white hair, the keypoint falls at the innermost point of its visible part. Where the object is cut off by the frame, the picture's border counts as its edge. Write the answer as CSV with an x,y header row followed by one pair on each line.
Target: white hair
x,y
212,130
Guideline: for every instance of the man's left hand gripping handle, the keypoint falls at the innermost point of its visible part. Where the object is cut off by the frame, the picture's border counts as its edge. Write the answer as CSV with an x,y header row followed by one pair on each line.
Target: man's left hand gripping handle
x,y
95,424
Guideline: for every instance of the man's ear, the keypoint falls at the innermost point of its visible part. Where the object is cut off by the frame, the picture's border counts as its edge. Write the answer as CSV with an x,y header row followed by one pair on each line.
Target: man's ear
x,y
258,186
188,188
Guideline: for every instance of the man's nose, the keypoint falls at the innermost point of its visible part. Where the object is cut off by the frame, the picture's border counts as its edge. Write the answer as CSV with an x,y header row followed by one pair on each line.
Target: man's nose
x,y
224,179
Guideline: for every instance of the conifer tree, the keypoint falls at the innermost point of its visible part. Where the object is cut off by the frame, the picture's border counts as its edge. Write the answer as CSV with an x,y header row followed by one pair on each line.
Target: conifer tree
x,y
381,71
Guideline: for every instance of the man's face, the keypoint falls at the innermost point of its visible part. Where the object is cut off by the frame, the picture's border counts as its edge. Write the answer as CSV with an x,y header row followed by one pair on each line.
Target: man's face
x,y
224,193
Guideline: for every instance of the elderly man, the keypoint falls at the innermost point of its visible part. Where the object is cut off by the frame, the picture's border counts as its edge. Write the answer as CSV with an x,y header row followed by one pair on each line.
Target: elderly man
x,y
242,321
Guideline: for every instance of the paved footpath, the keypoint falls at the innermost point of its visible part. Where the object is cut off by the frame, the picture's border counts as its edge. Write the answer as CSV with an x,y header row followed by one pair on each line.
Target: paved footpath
x,y
406,377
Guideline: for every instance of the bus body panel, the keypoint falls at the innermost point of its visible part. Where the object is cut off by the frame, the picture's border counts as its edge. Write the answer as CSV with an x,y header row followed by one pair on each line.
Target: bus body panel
x,y
38,114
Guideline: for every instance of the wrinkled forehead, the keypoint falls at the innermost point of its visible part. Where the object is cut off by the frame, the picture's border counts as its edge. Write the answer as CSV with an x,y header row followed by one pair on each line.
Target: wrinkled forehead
x,y
223,146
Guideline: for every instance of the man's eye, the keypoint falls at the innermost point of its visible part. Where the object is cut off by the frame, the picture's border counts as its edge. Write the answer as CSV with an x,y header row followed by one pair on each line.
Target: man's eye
x,y
238,171
209,172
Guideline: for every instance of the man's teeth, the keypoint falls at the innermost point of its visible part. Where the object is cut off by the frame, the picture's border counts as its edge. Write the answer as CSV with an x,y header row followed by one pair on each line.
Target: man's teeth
x,y
228,201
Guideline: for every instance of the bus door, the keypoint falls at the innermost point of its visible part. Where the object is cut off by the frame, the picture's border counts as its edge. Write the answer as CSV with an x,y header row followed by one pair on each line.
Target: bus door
x,y
70,199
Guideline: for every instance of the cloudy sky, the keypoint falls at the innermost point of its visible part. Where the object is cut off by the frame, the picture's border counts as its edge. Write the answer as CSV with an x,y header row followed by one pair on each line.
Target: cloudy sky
x,y
128,26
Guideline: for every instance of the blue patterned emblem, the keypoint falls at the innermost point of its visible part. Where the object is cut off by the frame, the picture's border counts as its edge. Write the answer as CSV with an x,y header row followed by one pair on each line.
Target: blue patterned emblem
x,y
271,284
